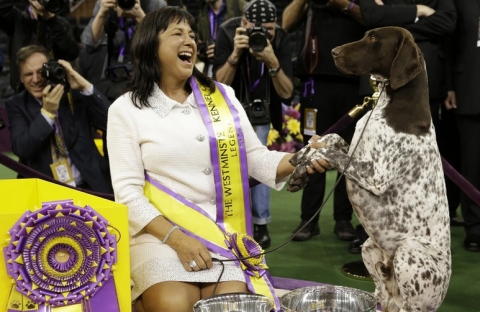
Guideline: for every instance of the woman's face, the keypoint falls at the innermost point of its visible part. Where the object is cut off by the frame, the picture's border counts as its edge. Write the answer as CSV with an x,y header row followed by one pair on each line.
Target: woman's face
x,y
177,51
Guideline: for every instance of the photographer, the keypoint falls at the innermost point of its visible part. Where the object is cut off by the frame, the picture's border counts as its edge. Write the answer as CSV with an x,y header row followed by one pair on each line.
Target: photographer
x,y
257,64
51,121
37,25
212,14
104,59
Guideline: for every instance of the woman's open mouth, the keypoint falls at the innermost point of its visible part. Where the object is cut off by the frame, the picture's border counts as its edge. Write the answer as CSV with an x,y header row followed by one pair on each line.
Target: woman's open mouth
x,y
185,57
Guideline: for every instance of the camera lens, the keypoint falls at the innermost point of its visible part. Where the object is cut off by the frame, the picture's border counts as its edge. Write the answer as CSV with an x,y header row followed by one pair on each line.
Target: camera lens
x,y
126,4
257,108
59,73
258,40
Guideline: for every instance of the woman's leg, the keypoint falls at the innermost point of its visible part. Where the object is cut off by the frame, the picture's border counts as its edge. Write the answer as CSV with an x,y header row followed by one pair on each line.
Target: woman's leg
x,y
169,297
206,290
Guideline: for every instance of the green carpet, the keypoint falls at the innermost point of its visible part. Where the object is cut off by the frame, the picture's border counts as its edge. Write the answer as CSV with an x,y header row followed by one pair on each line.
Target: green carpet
x,y
321,258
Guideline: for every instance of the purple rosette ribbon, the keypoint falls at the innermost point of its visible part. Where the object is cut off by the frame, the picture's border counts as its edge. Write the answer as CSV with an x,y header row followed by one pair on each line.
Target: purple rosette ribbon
x,y
249,253
61,254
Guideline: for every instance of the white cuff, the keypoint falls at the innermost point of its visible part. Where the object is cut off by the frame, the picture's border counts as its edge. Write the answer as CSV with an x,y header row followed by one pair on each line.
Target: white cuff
x,y
88,92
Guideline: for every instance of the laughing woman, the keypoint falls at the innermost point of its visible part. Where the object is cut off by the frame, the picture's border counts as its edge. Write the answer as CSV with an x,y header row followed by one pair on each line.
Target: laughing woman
x,y
181,151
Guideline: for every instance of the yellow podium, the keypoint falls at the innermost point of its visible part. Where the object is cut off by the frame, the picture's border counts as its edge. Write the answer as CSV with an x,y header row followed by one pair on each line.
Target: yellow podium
x,y
62,250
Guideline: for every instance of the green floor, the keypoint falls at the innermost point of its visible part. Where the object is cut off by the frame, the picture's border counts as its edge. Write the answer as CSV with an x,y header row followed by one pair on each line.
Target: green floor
x,y
321,258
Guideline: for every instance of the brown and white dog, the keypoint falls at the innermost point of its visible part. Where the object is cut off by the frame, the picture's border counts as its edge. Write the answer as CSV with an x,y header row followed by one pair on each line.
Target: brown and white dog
x,y
394,176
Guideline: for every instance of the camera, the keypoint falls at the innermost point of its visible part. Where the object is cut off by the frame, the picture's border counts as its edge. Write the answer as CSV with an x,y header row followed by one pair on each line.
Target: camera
x,y
54,73
55,6
202,50
126,4
258,112
258,36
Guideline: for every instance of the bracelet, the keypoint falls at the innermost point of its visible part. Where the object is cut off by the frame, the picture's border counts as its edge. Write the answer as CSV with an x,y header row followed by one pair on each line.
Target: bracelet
x,y
48,114
231,62
168,234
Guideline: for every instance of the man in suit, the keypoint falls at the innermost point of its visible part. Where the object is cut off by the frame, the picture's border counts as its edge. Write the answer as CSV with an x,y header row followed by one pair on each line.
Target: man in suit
x,y
464,99
51,122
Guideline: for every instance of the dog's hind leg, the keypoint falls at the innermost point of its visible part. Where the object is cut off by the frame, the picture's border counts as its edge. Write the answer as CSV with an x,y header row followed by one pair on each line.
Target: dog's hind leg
x,y
381,271
423,274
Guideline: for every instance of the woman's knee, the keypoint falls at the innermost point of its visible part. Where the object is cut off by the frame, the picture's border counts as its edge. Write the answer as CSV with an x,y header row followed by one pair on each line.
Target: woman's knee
x,y
170,296
223,288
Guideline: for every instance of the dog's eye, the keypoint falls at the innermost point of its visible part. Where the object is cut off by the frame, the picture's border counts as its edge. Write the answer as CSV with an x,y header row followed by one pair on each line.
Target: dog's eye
x,y
372,38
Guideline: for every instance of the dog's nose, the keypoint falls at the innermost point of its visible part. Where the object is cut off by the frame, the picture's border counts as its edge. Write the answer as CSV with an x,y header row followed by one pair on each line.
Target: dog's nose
x,y
336,52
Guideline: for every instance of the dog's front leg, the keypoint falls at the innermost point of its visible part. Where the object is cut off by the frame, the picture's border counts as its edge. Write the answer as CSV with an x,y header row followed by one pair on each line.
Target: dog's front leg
x,y
300,159
365,172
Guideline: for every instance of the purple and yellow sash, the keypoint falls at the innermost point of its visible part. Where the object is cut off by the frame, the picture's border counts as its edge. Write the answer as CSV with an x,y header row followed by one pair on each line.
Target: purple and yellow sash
x,y
231,234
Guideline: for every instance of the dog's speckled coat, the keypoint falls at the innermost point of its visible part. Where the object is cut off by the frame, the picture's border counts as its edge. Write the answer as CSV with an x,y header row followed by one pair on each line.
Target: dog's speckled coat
x,y
395,179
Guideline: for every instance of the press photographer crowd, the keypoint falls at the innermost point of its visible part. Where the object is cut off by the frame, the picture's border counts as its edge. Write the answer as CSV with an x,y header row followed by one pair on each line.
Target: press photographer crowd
x,y
111,100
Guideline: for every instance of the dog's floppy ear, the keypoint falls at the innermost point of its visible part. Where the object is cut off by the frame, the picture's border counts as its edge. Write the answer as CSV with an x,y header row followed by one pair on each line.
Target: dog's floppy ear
x,y
407,63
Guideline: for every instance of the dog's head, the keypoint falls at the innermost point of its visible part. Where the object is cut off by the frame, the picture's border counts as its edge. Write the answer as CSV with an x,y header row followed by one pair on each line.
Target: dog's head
x,y
389,52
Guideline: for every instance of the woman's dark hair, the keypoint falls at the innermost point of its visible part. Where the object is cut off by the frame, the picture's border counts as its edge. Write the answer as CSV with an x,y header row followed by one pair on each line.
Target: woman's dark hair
x,y
143,52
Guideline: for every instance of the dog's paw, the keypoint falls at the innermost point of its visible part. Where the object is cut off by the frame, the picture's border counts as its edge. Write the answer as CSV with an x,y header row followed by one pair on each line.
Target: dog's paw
x,y
335,142
298,179
301,157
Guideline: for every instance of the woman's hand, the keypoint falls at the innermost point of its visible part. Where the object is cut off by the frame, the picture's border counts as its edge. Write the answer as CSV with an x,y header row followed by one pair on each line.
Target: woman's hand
x,y
319,165
189,249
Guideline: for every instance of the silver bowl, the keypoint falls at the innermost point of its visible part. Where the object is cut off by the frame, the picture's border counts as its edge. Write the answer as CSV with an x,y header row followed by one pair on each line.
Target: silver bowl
x,y
328,299
234,302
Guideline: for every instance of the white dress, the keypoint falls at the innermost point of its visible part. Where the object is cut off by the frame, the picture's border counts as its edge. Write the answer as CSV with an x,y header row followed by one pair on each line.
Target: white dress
x,y
170,142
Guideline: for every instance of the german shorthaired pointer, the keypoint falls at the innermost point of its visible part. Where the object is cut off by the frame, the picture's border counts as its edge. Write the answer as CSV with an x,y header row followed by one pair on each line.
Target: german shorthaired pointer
x,y
394,174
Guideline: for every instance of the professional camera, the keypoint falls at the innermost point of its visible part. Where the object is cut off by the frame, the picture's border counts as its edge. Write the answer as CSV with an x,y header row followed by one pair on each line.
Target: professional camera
x,y
55,6
202,50
54,73
258,37
126,4
111,24
258,112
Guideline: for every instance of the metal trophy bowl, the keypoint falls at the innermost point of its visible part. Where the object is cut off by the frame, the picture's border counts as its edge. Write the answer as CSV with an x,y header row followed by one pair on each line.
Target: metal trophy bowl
x,y
328,299
234,302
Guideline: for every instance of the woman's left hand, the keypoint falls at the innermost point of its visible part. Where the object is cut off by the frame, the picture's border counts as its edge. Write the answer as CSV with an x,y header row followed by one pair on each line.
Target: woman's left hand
x,y
192,253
